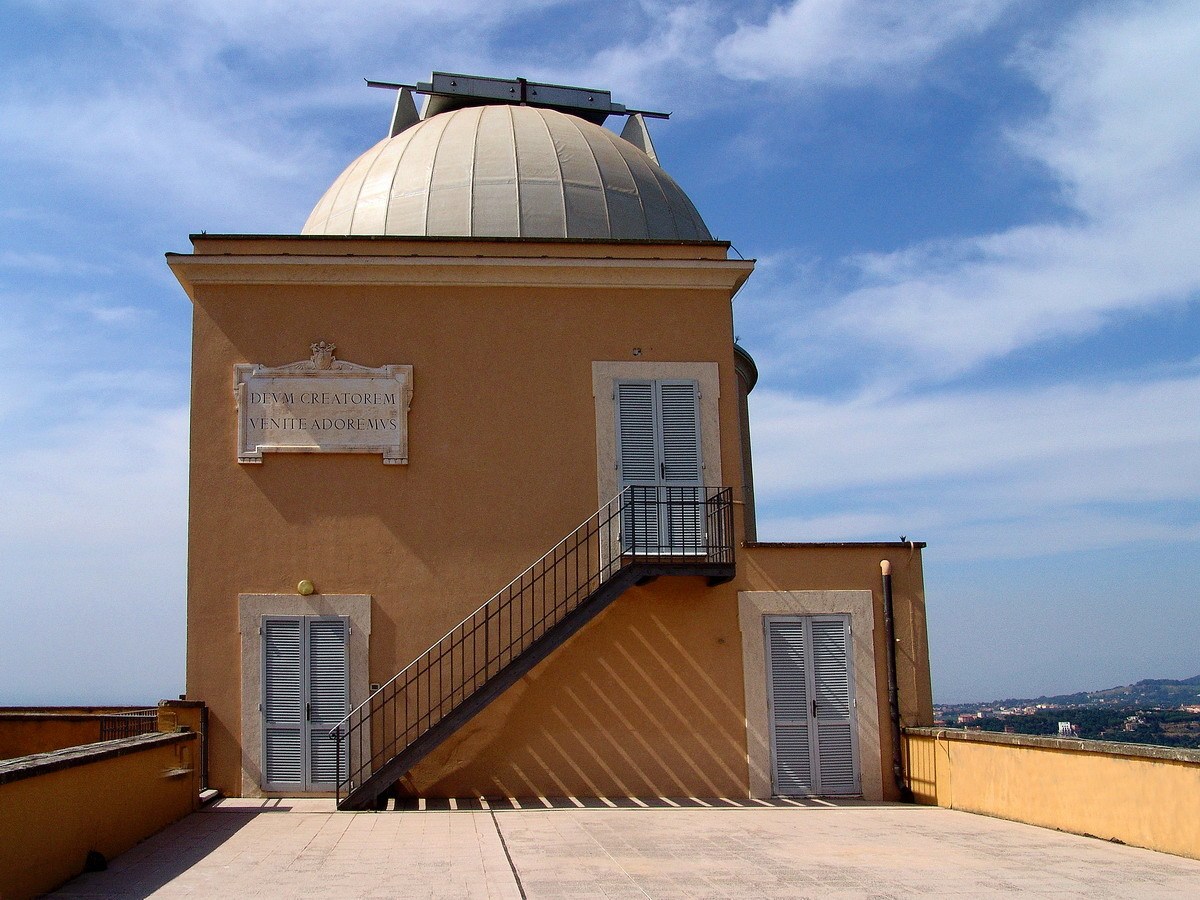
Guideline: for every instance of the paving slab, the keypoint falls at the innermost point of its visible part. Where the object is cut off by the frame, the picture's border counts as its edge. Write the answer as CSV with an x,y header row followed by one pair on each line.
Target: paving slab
x,y
655,848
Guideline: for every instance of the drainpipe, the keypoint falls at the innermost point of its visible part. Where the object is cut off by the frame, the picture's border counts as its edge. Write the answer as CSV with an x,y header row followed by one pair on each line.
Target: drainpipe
x,y
889,627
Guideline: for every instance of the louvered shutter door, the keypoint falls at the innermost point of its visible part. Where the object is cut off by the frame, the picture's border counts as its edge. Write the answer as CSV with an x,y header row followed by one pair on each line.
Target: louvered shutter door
x,y
683,514
637,461
328,696
836,757
283,704
789,706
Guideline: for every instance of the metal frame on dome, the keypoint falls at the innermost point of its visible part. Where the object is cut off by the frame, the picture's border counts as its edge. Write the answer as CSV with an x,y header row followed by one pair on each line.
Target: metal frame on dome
x,y
448,91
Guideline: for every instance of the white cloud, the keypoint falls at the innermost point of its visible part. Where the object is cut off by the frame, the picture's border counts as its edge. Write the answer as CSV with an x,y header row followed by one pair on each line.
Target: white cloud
x,y
985,473
852,41
1121,134
821,444
661,67
333,29
35,263
147,149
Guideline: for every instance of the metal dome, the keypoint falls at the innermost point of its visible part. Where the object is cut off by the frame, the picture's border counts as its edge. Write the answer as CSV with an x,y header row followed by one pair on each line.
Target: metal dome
x,y
507,171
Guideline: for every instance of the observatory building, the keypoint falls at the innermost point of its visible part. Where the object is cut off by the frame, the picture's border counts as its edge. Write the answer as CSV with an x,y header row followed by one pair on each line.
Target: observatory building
x,y
471,503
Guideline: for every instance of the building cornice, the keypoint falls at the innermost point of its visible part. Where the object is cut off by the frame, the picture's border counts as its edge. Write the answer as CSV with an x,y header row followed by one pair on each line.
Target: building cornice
x,y
194,270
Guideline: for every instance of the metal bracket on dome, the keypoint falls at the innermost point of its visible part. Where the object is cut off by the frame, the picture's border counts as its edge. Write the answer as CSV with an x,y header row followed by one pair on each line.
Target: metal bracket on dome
x,y
636,133
448,91
405,114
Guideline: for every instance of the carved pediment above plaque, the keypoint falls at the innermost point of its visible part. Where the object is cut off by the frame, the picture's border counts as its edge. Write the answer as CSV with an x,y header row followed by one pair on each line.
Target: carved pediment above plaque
x,y
322,405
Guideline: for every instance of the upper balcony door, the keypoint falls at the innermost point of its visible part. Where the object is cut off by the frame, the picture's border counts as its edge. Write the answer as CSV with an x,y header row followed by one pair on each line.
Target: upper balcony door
x,y
658,459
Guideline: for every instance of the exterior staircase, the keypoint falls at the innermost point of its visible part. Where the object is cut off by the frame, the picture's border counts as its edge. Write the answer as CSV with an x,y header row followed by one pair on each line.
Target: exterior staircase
x,y
639,535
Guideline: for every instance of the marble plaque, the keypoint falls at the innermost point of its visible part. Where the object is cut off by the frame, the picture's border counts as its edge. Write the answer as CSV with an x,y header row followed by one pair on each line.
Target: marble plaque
x,y
322,405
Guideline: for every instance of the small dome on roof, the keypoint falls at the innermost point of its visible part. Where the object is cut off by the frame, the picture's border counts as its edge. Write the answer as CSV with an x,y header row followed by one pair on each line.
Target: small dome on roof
x,y
507,171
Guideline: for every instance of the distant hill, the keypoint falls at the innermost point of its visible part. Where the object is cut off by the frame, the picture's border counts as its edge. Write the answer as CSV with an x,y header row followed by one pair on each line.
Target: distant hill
x,y
1143,713
1149,692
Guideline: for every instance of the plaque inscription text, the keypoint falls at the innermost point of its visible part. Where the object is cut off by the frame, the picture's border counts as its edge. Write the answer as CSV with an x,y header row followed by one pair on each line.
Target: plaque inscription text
x,y
322,405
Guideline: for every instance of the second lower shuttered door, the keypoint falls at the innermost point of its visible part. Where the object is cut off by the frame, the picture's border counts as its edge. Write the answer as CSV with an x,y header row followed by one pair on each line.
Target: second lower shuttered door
x,y
810,691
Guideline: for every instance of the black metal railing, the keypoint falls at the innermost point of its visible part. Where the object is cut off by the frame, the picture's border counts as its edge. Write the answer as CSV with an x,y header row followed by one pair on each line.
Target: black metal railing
x,y
658,526
128,724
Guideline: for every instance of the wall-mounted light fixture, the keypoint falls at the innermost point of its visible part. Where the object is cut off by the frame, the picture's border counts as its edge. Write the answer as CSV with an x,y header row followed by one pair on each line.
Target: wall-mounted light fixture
x,y
306,587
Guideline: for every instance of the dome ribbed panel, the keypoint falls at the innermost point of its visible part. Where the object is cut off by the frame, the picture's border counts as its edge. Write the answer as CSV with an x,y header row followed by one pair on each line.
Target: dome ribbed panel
x,y
320,214
507,171
341,215
688,224
451,187
626,218
370,216
655,205
496,202
543,201
583,192
409,198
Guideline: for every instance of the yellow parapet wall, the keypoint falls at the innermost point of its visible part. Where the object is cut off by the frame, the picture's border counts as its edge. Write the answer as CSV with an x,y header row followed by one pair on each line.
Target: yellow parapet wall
x,y
57,807
1136,794
26,730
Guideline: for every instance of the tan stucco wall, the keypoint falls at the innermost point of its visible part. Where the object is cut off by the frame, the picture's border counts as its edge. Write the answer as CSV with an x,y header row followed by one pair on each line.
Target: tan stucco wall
x,y
855,568
507,439
49,822
502,450
1147,797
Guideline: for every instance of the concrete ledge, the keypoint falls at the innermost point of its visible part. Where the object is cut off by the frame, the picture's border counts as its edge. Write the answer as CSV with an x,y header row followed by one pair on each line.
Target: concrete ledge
x,y
56,760
1046,742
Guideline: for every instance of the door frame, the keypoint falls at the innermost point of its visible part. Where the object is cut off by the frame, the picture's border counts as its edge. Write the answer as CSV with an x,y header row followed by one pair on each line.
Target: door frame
x,y
858,604
251,609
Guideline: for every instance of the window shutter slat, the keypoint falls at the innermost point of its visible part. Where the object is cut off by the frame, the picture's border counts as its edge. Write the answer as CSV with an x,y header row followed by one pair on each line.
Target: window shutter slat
x,y
329,692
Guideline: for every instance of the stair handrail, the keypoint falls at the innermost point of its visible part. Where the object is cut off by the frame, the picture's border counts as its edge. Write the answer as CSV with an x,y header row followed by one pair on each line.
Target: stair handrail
x,y
637,526
463,621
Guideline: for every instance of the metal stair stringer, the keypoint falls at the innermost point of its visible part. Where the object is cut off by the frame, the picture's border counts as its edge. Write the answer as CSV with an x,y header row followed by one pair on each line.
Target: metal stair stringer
x,y
471,665
366,795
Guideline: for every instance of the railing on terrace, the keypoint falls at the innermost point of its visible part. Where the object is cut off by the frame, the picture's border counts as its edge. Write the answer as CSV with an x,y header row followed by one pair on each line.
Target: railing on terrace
x,y
641,533
128,724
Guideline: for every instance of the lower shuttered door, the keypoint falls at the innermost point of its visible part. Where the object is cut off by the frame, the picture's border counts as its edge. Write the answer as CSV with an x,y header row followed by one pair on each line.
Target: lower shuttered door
x,y
306,692
814,741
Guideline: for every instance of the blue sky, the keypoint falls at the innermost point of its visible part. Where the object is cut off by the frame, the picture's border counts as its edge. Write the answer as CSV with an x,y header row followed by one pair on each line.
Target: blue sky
x,y
975,311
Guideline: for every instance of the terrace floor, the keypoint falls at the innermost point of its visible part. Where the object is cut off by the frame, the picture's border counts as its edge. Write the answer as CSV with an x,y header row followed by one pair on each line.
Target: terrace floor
x,y
627,848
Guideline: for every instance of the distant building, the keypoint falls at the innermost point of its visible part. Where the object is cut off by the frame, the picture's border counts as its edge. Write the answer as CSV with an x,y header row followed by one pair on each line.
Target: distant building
x,y
502,321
